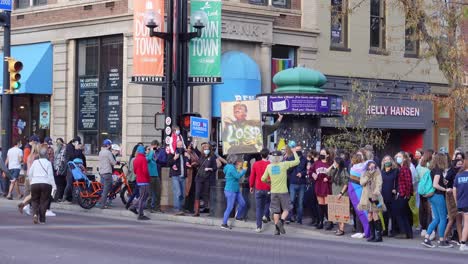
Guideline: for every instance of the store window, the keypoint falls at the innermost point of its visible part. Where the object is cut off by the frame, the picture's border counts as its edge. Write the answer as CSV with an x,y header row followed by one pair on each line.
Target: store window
x,y
30,116
339,24
99,91
377,25
258,2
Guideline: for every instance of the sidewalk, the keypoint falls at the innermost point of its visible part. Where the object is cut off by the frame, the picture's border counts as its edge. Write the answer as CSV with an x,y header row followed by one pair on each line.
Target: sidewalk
x,y
293,230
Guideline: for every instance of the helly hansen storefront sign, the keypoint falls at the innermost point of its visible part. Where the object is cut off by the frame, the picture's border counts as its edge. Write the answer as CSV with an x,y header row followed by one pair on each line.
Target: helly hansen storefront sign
x,y
393,110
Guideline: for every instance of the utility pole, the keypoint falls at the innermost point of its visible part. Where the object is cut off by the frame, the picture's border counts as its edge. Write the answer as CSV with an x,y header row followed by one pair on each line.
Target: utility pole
x,y
5,19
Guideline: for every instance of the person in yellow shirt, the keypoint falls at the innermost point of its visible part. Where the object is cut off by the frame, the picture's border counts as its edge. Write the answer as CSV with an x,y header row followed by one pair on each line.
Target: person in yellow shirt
x,y
276,174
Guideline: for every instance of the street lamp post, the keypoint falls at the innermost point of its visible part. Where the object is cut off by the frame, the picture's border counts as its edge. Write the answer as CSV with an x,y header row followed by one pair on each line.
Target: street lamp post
x,y
176,39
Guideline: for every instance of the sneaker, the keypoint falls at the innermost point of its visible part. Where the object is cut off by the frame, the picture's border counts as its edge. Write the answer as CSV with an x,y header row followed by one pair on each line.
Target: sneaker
x,y
143,217
224,226
27,209
423,233
432,236
358,235
445,244
463,247
35,219
264,219
50,213
281,227
456,243
133,210
258,230
427,243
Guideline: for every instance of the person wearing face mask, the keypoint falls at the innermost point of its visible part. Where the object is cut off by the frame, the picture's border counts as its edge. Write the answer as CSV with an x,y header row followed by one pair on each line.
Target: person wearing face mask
x,y
404,192
207,168
176,137
276,174
372,200
297,184
425,213
323,185
453,216
389,190
70,154
233,172
178,164
340,177
106,162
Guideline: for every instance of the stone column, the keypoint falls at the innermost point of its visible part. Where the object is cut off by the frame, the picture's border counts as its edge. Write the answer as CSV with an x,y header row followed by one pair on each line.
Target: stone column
x,y
265,66
59,109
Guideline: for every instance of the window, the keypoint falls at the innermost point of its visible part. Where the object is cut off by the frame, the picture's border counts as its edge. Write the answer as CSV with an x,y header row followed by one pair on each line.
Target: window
x,y
411,37
377,25
339,24
22,4
281,3
258,2
99,91
39,2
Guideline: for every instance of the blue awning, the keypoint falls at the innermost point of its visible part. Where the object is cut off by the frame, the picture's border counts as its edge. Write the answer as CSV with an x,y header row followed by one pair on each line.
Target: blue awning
x,y
36,76
241,80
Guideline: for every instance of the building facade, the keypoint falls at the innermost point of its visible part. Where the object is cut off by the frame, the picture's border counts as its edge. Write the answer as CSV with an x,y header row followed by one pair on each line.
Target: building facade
x,y
366,43
85,48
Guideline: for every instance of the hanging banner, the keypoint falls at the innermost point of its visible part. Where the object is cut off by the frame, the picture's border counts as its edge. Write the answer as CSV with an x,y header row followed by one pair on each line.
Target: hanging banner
x,y
44,111
205,52
148,52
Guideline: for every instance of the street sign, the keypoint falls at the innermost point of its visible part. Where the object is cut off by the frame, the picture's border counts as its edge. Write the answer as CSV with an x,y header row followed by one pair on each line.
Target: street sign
x,y
168,121
199,127
168,130
6,5
168,140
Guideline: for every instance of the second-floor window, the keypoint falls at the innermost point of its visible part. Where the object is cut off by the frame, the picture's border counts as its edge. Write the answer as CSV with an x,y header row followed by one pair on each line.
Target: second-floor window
x,y
411,40
281,3
339,24
27,3
258,2
377,24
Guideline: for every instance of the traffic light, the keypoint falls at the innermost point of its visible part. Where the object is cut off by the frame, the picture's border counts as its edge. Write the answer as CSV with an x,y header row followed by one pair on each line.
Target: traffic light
x,y
14,67
184,122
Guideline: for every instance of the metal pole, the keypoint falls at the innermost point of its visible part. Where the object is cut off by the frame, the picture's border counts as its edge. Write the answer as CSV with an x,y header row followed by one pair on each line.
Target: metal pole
x,y
6,98
176,85
169,61
184,58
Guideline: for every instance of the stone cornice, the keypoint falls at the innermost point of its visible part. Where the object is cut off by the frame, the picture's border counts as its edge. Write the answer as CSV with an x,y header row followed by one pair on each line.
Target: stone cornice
x,y
296,31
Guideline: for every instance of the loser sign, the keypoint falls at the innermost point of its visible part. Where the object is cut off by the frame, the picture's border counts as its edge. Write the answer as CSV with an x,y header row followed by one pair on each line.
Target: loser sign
x,y
199,127
338,209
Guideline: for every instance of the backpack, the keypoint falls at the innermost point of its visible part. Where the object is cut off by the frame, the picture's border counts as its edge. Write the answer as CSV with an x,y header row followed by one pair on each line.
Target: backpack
x,y
425,186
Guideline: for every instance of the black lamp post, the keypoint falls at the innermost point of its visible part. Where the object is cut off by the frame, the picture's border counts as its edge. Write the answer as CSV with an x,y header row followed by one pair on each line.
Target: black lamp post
x,y
176,39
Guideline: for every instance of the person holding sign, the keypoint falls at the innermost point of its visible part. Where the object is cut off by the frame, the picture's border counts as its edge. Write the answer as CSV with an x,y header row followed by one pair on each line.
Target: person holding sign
x,y
340,177
276,173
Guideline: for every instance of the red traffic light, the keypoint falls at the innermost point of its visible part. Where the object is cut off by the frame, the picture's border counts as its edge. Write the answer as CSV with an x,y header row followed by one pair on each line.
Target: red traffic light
x,y
14,65
185,120
18,66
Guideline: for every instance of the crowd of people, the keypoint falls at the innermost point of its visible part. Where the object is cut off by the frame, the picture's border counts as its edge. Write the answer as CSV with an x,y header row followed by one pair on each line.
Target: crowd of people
x,y
393,196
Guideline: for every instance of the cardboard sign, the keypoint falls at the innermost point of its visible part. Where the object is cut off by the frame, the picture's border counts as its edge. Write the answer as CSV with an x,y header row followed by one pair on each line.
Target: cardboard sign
x,y
338,210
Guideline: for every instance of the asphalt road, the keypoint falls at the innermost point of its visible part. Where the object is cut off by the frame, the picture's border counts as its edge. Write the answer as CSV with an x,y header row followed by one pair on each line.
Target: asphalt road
x,y
74,238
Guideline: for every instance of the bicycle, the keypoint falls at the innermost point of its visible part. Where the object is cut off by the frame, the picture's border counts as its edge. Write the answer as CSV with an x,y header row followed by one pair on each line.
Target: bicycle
x,y
89,191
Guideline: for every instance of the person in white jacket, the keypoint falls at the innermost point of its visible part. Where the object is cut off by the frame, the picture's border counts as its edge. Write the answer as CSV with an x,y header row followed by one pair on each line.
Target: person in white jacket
x,y
41,178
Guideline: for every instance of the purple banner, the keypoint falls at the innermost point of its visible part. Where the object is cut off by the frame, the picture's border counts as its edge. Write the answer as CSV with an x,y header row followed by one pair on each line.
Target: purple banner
x,y
300,103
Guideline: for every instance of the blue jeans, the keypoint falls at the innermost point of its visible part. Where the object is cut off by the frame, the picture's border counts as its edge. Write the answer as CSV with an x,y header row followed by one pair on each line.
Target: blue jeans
x,y
298,189
231,199
439,210
178,190
262,200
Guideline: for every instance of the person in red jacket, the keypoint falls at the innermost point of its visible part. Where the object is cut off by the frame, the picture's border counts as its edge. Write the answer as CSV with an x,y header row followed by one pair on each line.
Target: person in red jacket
x,y
262,190
140,168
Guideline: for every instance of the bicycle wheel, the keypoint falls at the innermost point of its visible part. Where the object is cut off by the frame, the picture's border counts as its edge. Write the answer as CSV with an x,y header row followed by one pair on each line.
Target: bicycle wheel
x,y
124,195
87,203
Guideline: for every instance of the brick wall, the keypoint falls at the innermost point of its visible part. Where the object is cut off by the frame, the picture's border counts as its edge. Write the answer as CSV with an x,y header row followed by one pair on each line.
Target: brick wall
x,y
69,14
289,21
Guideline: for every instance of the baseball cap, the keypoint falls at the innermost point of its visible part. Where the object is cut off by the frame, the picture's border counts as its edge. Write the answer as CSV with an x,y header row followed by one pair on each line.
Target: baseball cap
x,y
107,142
115,147
48,140
34,138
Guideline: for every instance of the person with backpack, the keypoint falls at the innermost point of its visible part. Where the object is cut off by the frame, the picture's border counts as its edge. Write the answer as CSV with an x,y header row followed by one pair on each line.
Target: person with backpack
x,y
131,176
438,167
453,216
460,192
